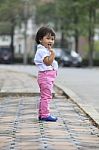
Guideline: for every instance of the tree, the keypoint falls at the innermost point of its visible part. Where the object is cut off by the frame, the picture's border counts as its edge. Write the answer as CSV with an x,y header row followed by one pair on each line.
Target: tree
x,y
79,17
14,13
45,13
9,12
93,5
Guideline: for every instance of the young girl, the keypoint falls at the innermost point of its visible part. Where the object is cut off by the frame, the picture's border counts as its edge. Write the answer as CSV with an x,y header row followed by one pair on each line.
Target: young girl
x,y
47,70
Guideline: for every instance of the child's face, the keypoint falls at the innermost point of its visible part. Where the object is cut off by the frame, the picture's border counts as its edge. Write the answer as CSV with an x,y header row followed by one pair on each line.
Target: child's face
x,y
47,40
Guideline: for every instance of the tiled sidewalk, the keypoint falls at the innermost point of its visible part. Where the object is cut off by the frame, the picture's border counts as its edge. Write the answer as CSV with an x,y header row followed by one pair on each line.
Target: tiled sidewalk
x,y
21,130
19,125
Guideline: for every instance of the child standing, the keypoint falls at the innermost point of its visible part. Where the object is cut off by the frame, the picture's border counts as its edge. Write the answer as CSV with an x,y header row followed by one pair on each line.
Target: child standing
x,y
47,70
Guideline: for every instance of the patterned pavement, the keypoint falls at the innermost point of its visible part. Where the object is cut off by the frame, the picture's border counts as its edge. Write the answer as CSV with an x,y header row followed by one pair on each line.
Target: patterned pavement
x,y
21,130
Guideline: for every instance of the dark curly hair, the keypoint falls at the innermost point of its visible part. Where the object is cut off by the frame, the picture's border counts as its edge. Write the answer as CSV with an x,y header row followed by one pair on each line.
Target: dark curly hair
x,y
43,31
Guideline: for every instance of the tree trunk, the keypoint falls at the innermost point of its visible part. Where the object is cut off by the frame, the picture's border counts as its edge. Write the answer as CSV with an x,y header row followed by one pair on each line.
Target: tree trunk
x,y
76,36
62,42
25,58
76,40
12,41
91,35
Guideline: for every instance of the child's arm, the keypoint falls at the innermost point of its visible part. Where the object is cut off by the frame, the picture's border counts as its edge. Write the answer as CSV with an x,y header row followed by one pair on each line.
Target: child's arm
x,y
49,59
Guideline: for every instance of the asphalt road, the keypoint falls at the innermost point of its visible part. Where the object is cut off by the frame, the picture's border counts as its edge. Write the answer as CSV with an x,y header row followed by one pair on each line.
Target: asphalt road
x,y
84,82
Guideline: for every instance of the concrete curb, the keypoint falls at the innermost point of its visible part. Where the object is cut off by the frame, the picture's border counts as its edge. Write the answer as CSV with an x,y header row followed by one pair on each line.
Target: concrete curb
x,y
87,109
14,94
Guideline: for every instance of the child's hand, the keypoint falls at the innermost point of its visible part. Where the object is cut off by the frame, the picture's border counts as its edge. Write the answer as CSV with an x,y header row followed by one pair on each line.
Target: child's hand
x,y
50,49
49,59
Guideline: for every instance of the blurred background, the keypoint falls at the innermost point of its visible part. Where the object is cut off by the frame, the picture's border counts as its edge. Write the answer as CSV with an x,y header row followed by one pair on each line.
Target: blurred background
x,y
76,23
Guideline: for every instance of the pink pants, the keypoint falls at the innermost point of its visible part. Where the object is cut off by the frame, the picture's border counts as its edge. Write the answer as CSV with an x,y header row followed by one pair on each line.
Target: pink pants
x,y
45,82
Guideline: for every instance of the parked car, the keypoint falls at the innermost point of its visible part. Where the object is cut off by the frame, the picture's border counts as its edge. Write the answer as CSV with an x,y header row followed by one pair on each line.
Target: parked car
x,y
5,55
70,58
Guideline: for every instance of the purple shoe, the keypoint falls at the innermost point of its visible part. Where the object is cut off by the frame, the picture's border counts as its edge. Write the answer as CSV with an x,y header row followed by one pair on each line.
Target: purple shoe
x,y
49,118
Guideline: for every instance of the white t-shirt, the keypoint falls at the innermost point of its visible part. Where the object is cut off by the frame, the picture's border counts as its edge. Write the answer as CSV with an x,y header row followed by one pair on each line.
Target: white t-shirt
x,y
41,53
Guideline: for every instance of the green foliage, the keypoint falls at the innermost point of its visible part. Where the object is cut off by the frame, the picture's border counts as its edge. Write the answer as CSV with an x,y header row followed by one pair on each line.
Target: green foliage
x,y
5,28
9,10
14,12
45,13
67,15
96,45
72,18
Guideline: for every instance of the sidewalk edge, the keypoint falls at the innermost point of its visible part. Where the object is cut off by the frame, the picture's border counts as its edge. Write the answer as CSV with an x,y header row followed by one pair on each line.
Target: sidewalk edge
x,y
87,109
